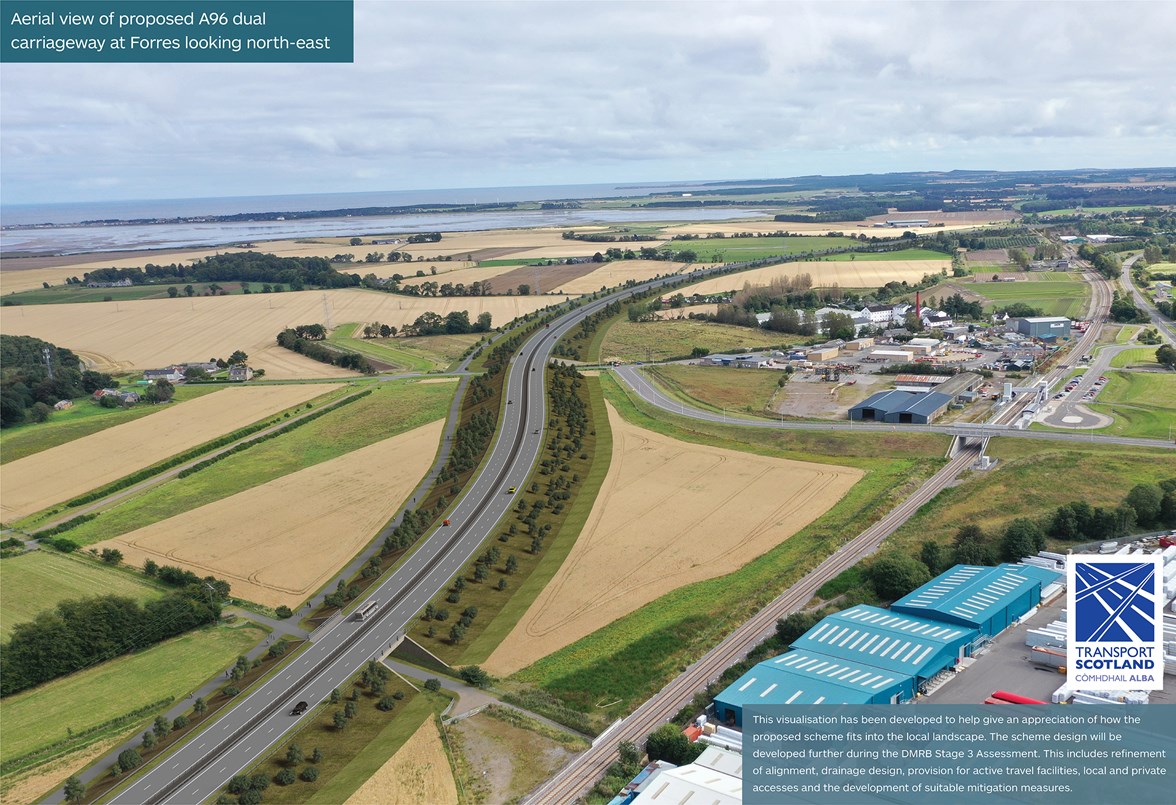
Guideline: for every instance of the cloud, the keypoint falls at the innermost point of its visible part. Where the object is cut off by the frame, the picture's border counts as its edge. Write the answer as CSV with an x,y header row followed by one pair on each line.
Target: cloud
x,y
488,93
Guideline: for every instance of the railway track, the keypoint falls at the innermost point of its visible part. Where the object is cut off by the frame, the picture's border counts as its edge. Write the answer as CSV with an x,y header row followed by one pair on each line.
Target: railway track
x,y
575,779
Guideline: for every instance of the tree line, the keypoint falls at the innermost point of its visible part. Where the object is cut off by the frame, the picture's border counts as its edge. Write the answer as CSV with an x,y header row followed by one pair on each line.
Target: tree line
x,y
27,392
296,272
78,633
312,348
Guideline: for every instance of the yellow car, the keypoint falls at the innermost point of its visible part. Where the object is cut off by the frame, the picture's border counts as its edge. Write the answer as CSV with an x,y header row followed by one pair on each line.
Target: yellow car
x,y
510,491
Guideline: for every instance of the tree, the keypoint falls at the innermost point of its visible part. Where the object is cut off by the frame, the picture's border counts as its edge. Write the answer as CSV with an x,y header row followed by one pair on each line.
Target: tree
x,y
433,684
238,357
457,633
149,740
932,556
129,759
475,676
239,784
336,696
112,556
160,391
161,727
894,575
355,242
1166,357
173,292
668,743
294,755
285,777
309,774
75,789
199,706
189,290
1021,538
840,325
483,324
316,756
339,721
1019,257
179,722
628,753
1146,499
524,289
386,703
971,547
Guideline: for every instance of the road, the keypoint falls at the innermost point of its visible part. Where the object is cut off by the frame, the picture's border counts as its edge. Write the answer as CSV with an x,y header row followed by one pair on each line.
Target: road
x,y
575,779
1159,320
640,385
197,769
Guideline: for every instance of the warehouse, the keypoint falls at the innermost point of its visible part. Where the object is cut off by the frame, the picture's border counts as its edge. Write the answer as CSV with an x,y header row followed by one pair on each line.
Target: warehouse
x,y
1043,326
900,408
913,646
809,677
987,599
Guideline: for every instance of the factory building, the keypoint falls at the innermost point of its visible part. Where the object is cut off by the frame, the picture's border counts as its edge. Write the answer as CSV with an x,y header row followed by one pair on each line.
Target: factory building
x,y
1043,326
868,655
987,599
900,408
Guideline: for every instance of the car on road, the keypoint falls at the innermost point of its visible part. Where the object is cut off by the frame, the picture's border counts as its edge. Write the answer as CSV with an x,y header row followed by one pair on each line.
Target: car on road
x,y
511,491
444,522
299,708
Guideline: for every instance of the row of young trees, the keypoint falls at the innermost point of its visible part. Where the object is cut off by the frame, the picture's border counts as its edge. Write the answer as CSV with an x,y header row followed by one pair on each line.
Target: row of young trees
x,y
78,633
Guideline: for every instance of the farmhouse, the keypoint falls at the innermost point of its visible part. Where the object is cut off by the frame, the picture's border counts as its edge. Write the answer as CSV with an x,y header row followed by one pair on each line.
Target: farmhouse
x,y
117,284
172,374
61,405
240,372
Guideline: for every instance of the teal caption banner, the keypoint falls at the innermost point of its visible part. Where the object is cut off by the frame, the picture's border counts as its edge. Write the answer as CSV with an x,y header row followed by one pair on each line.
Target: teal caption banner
x,y
967,754
144,31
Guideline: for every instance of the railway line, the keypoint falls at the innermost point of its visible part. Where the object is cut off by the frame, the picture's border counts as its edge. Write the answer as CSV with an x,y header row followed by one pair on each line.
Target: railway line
x,y
576,778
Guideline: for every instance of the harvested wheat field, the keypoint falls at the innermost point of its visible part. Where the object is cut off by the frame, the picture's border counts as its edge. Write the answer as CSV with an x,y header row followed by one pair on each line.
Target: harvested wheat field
x,y
507,243
66,471
669,513
279,542
826,273
418,774
617,272
155,332
463,275
668,313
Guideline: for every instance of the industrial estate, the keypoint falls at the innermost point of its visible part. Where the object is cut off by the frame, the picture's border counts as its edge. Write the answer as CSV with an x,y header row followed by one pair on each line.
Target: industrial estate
x,y
405,514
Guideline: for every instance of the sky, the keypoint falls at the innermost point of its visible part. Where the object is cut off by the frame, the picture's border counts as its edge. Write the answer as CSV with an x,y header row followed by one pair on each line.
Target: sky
x,y
485,94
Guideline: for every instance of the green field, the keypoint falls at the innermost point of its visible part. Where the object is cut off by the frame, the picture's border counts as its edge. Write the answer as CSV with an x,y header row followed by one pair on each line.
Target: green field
x,y
392,408
429,353
719,388
352,756
663,340
36,581
1031,479
731,250
86,417
1137,357
88,698
901,254
1056,294
607,673
1142,403
69,294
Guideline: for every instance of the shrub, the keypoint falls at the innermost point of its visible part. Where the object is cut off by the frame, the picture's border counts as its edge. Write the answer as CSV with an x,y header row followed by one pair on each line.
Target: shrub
x,y
309,774
283,612
284,777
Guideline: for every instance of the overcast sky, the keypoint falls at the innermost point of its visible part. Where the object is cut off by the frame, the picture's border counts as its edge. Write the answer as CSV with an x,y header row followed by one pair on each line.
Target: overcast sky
x,y
446,94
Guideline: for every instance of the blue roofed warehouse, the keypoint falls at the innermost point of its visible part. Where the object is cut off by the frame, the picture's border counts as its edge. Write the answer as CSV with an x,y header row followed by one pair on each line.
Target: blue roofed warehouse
x,y
988,599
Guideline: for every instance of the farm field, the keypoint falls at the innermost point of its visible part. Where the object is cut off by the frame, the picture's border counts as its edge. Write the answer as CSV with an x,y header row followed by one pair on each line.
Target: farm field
x,y
1025,486
670,513
617,272
34,582
857,273
75,294
902,255
1142,403
659,340
418,774
268,542
734,250
719,388
60,473
430,353
84,418
145,334
465,275
1136,357
391,409
952,221
88,698
1056,294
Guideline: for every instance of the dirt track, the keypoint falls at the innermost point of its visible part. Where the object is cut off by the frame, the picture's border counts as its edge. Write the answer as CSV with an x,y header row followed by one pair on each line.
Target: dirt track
x,y
669,513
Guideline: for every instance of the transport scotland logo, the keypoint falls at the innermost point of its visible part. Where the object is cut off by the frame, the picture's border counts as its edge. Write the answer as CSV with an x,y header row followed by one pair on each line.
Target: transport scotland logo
x,y
1114,642
1113,603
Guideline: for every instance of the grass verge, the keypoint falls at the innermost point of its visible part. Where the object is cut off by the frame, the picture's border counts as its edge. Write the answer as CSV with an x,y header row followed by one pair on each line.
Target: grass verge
x,y
718,388
1142,403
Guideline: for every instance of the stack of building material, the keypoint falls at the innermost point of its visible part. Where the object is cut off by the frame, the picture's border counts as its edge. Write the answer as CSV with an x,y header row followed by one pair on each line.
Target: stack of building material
x,y
1052,634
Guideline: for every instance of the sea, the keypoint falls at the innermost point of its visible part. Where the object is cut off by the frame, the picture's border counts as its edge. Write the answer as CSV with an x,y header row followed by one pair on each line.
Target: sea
x,y
57,229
